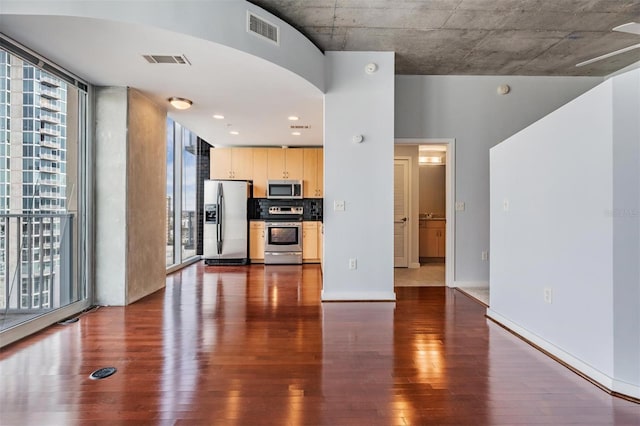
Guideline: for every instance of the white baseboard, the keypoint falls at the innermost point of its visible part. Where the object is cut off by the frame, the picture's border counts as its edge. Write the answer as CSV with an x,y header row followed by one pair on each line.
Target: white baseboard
x,y
414,265
625,388
475,284
592,373
356,296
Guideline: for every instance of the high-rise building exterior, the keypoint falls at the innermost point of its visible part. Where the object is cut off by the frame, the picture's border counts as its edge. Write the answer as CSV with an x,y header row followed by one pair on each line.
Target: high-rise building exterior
x,y
33,161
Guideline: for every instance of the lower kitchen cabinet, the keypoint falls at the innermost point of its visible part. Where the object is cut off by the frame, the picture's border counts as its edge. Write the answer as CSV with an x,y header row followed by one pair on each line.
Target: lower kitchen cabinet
x,y
311,242
432,238
256,241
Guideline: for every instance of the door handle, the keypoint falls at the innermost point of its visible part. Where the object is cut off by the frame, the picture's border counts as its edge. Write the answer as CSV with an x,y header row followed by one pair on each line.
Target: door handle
x,y
220,201
403,220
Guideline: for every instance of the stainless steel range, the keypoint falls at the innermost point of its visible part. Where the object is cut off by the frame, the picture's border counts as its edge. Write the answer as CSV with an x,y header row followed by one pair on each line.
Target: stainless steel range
x,y
283,235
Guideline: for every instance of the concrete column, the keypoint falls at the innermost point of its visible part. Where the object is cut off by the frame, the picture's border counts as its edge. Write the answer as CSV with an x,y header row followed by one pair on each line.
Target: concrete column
x,y
130,169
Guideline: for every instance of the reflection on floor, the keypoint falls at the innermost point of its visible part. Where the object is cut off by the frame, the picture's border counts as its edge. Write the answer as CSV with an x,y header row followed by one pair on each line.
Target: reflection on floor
x,y
427,275
479,293
432,275
254,345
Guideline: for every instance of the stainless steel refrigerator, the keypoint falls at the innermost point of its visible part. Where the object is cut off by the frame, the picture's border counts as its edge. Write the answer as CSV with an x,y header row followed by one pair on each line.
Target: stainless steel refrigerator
x,y
226,228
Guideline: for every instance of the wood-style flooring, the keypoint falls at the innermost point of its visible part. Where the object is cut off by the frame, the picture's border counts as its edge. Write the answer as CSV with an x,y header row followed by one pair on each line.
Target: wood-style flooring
x,y
254,346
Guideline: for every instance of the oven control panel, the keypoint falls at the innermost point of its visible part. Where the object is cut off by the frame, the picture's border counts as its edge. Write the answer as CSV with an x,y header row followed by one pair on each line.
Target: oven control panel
x,y
286,210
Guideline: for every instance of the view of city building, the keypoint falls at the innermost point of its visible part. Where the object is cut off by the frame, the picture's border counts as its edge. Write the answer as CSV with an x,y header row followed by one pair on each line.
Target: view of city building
x,y
181,193
33,171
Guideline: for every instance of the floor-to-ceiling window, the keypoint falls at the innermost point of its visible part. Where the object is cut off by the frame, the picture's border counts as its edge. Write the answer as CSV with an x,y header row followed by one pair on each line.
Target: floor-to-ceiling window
x,y
170,195
43,234
189,176
182,177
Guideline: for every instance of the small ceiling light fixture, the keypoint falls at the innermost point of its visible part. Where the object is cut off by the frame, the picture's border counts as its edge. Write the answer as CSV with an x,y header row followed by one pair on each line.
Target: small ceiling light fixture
x,y
371,68
218,116
234,132
293,118
357,139
295,133
180,103
503,89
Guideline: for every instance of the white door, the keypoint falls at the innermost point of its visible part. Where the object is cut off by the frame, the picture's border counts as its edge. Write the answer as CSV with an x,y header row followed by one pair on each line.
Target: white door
x,y
401,212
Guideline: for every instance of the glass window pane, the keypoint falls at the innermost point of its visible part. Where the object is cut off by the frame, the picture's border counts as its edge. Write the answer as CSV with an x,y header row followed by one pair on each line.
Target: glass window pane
x,y
41,193
189,175
170,194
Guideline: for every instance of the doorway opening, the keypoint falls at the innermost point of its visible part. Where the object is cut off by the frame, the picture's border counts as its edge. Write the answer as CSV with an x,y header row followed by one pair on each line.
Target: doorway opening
x,y
424,212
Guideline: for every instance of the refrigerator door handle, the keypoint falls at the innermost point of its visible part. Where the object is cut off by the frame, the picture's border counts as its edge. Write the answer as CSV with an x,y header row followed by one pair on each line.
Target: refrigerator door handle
x,y
220,202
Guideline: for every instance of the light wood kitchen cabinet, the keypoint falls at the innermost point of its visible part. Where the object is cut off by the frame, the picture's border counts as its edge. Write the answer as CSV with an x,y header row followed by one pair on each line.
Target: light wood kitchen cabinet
x,y
260,172
311,242
285,163
432,238
313,172
256,241
231,163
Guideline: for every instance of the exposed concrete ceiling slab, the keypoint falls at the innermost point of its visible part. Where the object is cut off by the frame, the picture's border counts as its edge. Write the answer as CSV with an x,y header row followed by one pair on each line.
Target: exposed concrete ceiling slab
x,y
483,37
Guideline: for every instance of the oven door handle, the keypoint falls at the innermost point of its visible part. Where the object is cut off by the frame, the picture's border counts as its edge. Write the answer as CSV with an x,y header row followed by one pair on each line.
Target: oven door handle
x,y
220,202
286,253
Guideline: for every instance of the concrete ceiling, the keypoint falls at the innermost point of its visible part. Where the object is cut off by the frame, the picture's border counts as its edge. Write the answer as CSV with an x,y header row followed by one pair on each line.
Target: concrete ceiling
x,y
490,37
479,37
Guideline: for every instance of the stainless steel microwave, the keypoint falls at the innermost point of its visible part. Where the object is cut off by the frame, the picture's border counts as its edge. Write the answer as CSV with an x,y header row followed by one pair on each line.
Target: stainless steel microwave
x,y
284,189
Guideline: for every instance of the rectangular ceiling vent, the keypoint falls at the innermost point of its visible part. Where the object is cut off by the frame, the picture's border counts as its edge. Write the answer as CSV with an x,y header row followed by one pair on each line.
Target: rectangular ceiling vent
x,y
298,126
262,28
167,59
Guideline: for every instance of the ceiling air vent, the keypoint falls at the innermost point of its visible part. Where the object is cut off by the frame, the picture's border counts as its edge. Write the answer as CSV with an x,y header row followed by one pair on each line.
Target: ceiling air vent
x,y
303,126
263,28
167,59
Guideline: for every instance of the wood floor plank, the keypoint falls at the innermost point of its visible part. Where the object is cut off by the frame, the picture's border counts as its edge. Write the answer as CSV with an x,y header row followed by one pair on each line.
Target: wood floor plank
x,y
255,346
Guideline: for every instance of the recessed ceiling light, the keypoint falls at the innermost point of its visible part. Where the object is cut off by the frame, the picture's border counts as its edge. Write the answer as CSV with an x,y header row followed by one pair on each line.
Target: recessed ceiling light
x,y
293,118
234,132
295,133
180,103
218,116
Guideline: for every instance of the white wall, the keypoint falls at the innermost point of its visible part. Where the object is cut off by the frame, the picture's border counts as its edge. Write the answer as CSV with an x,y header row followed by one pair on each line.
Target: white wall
x,y
223,22
361,175
468,109
565,180
626,231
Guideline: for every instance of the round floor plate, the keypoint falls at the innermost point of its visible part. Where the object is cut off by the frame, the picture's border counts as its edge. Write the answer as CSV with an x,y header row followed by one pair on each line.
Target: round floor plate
x,y
103,373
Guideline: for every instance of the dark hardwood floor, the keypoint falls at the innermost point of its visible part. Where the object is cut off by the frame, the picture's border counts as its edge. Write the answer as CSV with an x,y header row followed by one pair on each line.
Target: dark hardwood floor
x,y
254,346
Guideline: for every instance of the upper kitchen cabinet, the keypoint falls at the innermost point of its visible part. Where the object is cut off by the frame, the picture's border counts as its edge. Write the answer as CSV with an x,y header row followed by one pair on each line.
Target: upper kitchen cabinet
x,y
260,172
285,163
231,163
313,172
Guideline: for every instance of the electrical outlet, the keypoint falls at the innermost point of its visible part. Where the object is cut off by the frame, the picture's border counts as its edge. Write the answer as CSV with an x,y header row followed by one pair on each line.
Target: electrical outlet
x,y
353,264
459,206
548,295
485,255
338,205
